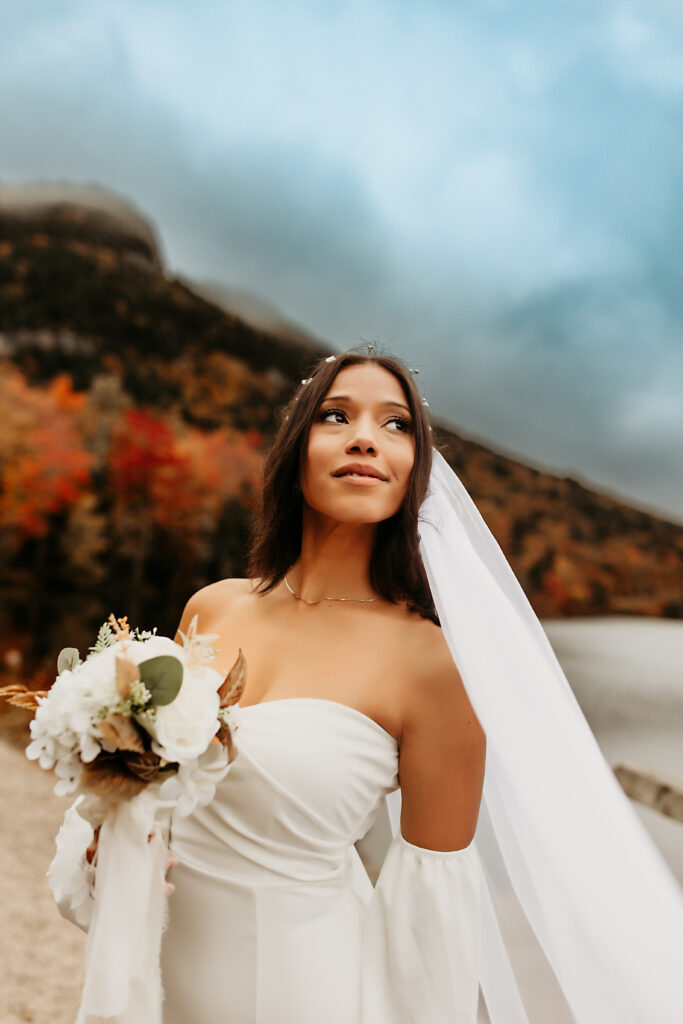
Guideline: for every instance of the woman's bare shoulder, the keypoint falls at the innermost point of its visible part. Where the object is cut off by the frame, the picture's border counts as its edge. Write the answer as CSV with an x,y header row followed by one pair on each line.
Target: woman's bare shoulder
x,y
430,670
220,589
417,633
212,601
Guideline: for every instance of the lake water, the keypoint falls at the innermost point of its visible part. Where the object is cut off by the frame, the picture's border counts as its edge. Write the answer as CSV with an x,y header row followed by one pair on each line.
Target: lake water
x,y
627,675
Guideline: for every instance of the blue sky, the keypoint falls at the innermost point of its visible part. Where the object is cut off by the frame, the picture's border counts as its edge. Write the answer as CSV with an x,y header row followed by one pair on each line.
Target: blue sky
x,y
491,190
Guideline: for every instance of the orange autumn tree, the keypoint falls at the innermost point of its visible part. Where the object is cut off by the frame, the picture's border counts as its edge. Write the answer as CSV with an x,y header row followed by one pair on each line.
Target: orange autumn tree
x,y
93,489
43,467
226,464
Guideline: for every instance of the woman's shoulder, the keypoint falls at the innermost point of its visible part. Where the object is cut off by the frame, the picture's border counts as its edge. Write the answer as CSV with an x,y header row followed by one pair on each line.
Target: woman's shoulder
x,y
430,666
233,586
214,599
418,632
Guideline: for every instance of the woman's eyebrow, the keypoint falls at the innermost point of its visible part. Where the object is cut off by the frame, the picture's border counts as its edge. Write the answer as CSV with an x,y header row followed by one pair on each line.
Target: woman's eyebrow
x,y
347,398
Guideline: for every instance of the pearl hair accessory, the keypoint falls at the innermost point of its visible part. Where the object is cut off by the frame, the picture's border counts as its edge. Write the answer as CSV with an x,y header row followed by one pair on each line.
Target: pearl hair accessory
x,y
371,349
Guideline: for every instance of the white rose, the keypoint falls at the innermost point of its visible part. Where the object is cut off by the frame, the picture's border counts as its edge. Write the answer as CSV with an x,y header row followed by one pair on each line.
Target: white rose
x,y
183,729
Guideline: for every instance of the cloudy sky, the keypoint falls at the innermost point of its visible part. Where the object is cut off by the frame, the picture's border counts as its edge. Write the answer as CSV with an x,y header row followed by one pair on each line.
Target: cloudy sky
x,y
492,190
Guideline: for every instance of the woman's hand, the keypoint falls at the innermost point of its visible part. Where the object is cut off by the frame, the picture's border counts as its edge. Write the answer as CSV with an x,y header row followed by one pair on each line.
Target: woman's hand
x,y
171,862
91,852
91,856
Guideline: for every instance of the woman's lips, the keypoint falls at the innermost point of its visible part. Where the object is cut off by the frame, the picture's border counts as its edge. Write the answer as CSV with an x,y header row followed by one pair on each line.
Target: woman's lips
x,y
360,478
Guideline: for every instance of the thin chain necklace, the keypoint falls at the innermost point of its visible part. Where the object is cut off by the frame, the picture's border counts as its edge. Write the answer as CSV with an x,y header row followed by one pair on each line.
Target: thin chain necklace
x,y
362,599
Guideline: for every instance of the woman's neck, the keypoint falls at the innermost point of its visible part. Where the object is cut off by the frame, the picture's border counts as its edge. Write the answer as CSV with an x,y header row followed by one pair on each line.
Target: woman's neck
x,y
334,563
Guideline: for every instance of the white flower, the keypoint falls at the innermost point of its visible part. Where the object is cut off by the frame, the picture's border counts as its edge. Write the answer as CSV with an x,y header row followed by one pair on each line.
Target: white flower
x,y
65,733
145,634
194,784
63,730
183,729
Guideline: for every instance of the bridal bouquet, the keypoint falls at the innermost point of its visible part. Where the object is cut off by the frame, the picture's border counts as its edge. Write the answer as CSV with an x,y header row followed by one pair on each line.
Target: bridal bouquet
x,y
140,730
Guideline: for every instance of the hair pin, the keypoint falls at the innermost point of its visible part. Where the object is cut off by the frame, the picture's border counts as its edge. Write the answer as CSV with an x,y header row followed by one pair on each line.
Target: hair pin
x,y
330,359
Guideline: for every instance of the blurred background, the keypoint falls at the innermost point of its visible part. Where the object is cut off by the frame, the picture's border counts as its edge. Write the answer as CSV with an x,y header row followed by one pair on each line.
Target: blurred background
x,y
198,200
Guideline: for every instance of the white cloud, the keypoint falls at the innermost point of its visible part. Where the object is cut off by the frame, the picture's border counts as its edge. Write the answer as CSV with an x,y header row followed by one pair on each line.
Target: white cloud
x,y
493,189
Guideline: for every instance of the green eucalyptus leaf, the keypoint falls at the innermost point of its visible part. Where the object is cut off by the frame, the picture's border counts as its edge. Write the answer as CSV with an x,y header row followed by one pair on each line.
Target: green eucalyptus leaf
x,y
162,676
68,658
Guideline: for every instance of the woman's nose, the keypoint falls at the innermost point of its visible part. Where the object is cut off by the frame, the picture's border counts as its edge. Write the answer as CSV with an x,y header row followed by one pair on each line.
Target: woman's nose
x,y
365,436
362,444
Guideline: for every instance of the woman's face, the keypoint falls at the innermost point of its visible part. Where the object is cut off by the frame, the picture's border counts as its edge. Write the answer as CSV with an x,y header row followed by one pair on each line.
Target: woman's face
x,y
363,418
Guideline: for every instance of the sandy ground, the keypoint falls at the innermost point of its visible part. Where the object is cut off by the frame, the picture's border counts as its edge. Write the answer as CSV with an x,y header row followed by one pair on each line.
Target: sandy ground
x,y
627,678
41,955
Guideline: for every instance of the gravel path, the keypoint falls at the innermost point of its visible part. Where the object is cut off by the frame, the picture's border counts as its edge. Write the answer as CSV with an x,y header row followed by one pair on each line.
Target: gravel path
x,y
41,955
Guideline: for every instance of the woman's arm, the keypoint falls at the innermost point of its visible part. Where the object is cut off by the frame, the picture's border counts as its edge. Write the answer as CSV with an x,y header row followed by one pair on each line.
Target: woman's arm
x,y
422,933
441,758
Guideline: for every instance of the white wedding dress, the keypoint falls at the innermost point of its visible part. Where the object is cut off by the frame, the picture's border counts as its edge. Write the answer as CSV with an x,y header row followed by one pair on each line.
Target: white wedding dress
x,y
274,919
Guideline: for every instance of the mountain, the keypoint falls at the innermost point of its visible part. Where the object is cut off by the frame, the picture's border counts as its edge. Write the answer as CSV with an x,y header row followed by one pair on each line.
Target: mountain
x,y
90,319
255,312
84,292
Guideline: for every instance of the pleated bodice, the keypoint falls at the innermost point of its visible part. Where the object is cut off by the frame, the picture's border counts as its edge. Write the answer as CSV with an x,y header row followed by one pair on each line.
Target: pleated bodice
x,y
308,780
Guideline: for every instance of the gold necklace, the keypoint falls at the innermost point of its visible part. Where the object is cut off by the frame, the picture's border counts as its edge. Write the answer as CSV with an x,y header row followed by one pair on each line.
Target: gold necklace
x,y
361,599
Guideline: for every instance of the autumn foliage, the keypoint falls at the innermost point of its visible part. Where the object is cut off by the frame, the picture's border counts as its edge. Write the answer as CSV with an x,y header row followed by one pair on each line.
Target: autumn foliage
x,y
95,469
173,476
43,465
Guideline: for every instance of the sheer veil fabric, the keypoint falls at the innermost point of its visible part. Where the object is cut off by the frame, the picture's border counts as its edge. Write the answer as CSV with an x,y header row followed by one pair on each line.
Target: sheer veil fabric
x,y
577,898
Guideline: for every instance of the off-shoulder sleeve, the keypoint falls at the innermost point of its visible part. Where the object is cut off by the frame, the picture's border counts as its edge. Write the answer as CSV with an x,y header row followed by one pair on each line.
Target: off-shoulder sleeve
x,y
422,937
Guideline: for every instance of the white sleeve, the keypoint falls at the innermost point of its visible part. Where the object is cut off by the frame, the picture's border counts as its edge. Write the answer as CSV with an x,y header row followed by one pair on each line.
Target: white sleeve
x,y
422,935
71,877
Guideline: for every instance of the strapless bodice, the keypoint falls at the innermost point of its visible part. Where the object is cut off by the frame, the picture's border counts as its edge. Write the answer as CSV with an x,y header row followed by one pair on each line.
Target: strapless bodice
x,y
308,780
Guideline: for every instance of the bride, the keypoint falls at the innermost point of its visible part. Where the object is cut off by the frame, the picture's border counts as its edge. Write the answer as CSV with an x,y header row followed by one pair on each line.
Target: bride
x,y
350,689
517,865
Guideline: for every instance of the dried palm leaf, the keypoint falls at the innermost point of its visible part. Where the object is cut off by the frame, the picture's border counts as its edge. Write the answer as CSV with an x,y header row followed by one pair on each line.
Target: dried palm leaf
x,y
108,776
126,673
197,650
224,736
22,697
122,732
232,687
145,766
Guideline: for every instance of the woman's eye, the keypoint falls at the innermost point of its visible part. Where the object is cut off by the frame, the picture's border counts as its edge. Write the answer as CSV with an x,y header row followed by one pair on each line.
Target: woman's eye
x,y
330,412
404,424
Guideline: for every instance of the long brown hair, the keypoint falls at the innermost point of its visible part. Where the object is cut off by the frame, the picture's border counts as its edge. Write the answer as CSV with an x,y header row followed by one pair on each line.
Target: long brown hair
x,y
396,569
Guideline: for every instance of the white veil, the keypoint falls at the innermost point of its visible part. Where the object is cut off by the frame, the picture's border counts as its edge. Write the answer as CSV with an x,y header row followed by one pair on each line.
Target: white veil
x,y
578,902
